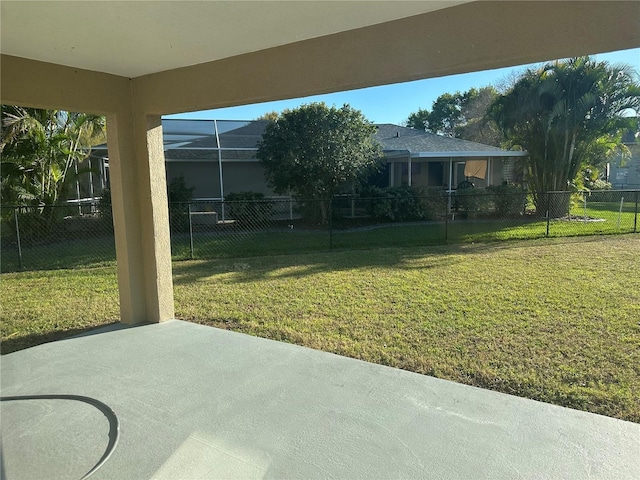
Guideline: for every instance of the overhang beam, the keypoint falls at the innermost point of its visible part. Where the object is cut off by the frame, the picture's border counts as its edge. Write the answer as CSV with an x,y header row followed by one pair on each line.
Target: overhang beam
x,y
465,38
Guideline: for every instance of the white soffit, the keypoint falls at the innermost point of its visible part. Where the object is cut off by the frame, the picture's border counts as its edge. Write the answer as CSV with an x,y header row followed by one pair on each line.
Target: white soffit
x,y
134,38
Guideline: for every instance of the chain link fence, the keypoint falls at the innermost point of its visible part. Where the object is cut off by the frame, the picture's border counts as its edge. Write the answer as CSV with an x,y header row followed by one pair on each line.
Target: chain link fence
x,y
50,237
76,236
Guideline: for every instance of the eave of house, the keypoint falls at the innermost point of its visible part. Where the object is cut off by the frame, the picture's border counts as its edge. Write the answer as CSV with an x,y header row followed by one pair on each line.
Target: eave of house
x,y
481,154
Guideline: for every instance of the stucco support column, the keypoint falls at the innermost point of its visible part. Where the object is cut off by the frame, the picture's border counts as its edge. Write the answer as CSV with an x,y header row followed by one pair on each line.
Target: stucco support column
x,y
140,216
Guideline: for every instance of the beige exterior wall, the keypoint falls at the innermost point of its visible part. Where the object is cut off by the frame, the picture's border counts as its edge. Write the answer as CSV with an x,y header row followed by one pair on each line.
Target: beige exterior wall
x,y
44,85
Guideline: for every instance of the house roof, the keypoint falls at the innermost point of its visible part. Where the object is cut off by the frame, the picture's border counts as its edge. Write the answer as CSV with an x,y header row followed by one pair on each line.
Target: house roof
x,y
396,141
188,140
395,138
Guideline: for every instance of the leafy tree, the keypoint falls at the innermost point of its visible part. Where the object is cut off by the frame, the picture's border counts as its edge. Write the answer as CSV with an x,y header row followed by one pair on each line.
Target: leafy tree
x,y
460,115
41,150
418,120
475,125
314,151
446,113
271,116
567,114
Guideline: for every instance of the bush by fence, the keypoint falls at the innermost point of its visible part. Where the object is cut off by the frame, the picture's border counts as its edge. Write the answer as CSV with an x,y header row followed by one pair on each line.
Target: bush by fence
x,y
403,204
82,235
250,205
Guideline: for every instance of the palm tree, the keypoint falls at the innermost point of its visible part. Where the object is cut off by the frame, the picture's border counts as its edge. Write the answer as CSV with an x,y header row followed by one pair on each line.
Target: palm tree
x,y
41,151
562,114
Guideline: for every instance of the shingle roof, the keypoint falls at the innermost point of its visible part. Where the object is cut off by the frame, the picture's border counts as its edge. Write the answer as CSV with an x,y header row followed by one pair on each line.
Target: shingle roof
x,y
394,137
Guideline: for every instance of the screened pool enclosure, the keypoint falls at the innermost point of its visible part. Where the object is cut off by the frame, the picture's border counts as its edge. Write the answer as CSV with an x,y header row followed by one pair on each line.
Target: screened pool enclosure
x,y
218,157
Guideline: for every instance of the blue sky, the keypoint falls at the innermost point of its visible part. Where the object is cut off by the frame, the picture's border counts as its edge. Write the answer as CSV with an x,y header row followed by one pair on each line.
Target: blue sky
x,y
394,103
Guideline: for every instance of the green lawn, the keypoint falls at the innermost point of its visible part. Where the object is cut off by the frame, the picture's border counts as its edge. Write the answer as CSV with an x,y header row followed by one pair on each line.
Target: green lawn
x,y
556,320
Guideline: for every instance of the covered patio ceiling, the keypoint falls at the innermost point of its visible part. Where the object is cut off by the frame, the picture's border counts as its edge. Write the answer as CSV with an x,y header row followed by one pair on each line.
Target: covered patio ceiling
x,y
176,51
166,35
134,61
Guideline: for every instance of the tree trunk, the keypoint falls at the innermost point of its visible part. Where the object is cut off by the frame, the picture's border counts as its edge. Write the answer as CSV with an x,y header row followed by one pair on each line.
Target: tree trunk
x,y
323,212
555,204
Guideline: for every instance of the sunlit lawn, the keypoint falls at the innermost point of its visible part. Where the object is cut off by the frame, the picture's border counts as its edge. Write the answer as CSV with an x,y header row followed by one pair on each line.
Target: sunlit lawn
x,y
556,320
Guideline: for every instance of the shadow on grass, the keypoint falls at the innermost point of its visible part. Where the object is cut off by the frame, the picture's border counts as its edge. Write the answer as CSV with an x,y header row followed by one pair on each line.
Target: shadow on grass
x,y
252,269
14,344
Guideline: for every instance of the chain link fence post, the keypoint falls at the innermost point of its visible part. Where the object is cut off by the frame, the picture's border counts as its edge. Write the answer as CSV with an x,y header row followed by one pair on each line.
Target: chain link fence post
x,y
548,212
620,212
15,216
635,216
190,232
447,212
330,223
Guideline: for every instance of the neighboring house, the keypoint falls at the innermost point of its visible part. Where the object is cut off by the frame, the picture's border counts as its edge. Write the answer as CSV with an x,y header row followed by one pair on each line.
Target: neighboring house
x,y
625,173
93,180
217,157
419,158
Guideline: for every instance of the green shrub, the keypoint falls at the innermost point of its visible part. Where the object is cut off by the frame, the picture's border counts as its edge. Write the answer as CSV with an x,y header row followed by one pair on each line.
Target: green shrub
x,y
36,224
399,204
179,196
104,208
252,206
473,202
431,202
508,200
599,184
33,223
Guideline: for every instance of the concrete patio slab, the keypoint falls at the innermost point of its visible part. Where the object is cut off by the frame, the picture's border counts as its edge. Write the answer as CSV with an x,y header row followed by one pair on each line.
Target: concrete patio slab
x,y
180,400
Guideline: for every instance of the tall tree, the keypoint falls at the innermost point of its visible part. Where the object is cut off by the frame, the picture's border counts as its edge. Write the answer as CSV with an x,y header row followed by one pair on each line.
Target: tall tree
x,y
446,113
314,151
475,124
40,152
460,115
567,114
